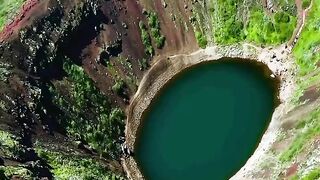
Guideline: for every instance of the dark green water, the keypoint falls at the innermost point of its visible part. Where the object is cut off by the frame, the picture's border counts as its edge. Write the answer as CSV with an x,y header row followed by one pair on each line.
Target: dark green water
x,y
207,122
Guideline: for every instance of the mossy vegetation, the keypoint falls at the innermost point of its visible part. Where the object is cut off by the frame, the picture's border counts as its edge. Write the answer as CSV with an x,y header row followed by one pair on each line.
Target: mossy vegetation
x,y
227,25
75,166
306,3
307,52
87,114
146,39
234,21
312,175
265,29
154,24
7,9
199,21
10,146
311,129
155,31
118,87
143,64
7,172
201,39
307,49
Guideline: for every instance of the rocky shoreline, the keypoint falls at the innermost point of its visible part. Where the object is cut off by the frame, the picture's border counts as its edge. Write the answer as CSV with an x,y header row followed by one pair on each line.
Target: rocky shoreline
x,y
278,59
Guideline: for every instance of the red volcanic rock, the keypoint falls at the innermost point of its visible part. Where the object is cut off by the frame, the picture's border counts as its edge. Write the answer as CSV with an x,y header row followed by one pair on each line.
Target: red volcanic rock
x,y
292,170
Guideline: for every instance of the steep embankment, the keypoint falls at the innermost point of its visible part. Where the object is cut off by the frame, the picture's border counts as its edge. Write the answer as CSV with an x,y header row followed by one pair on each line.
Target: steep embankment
x,y
69,70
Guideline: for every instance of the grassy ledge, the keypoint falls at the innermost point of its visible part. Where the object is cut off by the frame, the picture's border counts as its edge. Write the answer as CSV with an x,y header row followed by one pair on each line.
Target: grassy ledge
x,y
74,166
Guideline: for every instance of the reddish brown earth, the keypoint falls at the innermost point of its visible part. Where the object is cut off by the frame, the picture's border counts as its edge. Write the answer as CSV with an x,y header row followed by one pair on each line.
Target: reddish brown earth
x,y
310,94
292,170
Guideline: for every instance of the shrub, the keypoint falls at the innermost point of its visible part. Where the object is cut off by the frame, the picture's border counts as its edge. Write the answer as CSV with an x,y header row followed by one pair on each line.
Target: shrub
x,y
201,39
154,24
306,3
143,64
146,40
118,87
10,145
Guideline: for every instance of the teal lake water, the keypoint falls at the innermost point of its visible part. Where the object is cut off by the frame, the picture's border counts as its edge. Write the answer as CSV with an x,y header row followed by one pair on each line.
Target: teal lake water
x,y
206,122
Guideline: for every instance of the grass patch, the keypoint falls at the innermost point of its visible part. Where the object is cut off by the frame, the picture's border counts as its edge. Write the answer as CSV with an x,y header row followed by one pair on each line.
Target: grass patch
x,y
8,8
7,172
75,166
312,175
312,129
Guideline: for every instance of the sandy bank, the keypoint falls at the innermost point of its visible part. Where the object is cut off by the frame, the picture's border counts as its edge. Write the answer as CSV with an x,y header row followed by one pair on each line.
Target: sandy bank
x,y
277,59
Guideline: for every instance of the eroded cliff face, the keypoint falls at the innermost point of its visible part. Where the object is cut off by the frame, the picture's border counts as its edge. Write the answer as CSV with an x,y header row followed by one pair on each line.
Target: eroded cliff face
x,y
69,70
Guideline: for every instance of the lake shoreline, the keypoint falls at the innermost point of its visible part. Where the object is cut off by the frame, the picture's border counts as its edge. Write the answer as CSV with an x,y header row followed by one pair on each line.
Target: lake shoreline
x,y
277,59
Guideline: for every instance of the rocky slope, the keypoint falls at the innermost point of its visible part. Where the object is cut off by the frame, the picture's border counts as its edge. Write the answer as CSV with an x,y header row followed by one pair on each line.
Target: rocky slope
x,y
69,70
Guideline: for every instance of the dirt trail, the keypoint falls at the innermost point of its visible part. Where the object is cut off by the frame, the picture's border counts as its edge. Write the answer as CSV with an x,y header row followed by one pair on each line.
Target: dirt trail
x,y
302,14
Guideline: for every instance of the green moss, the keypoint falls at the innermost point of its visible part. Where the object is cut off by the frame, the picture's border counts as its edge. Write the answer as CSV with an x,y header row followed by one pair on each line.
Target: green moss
x,y
7,9
312,175
74,166
6,172
10,146
303,137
